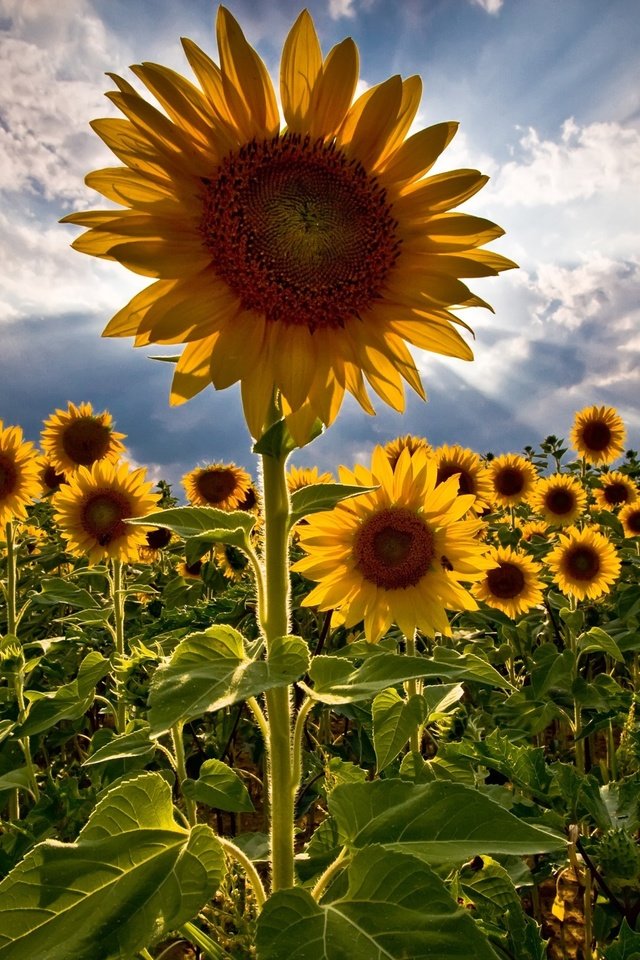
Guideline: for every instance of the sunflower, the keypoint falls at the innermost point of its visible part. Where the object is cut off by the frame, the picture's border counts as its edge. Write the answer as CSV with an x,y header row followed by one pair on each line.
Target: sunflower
x,y
252,501
157,540
221,485
560,499
93,506
617,490
535,528
513,585
397,554
394,448
473,475
584,563
629,517
50,479
33,538
299,477
298,257
232,562
78,437
190,571
512,479
19,485
598,434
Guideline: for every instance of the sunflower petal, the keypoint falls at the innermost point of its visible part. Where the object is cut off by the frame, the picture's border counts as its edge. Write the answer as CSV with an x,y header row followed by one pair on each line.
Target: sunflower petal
x,y
333,91
300,68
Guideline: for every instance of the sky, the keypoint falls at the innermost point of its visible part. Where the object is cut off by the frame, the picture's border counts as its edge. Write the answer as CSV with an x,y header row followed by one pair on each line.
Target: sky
x,y
548,100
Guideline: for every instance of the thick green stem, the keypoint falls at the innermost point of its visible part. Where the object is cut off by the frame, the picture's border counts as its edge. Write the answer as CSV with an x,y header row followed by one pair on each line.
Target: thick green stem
x,y
117,599
412,690
181,769
332,870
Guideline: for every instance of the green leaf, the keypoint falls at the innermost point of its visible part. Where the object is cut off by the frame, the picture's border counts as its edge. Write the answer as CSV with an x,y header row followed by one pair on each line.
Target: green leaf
x,y
15,780
210,670
220,787
626,947
68,702
194,521
196,547
596,640
394,720
124,747
440,821
524,766
132,876
322,496
55,590
395,907
278,442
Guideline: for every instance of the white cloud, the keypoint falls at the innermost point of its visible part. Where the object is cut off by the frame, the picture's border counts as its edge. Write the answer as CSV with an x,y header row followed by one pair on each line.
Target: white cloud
x,y
491,6
341,8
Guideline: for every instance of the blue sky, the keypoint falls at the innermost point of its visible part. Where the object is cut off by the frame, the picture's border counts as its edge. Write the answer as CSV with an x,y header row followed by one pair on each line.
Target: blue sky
x,y
548,99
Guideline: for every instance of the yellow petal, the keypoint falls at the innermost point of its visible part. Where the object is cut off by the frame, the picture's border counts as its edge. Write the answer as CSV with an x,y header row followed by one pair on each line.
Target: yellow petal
x,y
133,148
126,321
418,153
192,371
354,383
300,68
438,193
334,90
210,78
375,123
130,188
455,231
166,259
295,364
434,337
193,309
257,397
239,350
411,94
183,102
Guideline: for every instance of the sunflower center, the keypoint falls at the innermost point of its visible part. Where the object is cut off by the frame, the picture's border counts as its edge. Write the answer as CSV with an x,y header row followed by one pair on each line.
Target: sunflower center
x,y
394,548
633,521
215,486
465,481
615,493
509,481
300,233
582,563
103,514
8,476
596,435
560,501
86,440
158,538
51,478
506,581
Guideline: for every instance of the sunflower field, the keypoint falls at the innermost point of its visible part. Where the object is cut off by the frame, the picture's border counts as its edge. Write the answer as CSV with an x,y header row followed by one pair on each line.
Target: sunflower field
x,y
280,713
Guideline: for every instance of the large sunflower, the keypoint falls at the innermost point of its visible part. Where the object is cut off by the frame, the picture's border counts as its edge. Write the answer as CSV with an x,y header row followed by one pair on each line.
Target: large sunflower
x,y
560,499
598,434
584,563
473,475
91,510
19,475
629,517
513,585
617,490
512,478
78,437
221,485
299,257
397,554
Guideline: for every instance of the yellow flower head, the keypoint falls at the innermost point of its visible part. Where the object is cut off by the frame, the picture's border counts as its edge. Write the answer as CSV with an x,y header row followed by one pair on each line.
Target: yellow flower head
x,y
512,479
221,485
157,539
598,434
301,254
473,475
513,585
78,437
19,484
91,510
190,571
584,563
50,479
560,499
398,554
535,528
409,442
629,517
299,477
616,490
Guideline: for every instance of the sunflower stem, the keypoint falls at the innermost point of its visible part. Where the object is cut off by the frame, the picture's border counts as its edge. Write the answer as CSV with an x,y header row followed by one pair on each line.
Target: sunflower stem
x,y
181,770
117,600
11,578
412,690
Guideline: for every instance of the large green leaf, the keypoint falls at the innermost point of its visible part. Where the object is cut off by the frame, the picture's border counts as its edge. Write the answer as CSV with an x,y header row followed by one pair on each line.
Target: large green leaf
x,y
132,876
220,787
278,442
126,746
210,670
438,821
196,547
67,702
191,521
626,947
395,907
394,720
322,496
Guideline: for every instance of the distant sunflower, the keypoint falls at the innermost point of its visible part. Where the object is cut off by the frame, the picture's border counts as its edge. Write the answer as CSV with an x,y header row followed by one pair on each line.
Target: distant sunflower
x,y
50,478
297,257
560,499
513,585
598,434
233,562
33,538
617,490
221,485
299,477
19,484
78,437
398,554
190,571
92,508
409,442
252,501
473,475
536,528
512,479
629,517
157,540
584,563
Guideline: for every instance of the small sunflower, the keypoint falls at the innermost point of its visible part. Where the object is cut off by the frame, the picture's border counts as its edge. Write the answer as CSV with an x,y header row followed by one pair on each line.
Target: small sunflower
x,y
252,501
512,479
617,490
78,437
629,517
93,506
598,434
33,538
50,479
19,483
409,442
299,477
513,585
157,540
535,528
301,257
397,554
584,563
473,475
190,571
233,562
221,485
560,499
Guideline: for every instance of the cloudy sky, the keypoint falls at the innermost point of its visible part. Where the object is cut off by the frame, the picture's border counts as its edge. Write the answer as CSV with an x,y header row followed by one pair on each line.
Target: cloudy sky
x,y
548,99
